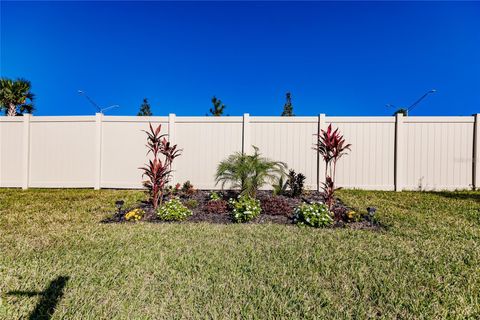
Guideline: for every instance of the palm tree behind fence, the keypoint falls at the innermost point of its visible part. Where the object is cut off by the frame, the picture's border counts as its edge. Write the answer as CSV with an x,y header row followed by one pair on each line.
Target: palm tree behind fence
x,y
16,97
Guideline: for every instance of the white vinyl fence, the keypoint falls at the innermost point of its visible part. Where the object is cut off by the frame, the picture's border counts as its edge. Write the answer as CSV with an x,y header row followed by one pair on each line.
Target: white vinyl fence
x,y
388,153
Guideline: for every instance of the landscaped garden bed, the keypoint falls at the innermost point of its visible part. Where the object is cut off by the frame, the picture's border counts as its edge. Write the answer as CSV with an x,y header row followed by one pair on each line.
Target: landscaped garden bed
x,y
274,209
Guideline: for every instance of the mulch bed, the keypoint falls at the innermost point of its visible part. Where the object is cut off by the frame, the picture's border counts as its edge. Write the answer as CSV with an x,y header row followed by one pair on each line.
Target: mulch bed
x,y
201,197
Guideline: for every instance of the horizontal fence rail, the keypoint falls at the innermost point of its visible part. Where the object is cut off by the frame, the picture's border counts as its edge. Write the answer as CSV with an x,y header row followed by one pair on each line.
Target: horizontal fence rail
x,y
388,153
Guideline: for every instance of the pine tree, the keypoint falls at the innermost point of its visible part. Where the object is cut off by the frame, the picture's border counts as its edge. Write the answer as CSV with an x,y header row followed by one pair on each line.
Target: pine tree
x,y
145,110
218,107
288,107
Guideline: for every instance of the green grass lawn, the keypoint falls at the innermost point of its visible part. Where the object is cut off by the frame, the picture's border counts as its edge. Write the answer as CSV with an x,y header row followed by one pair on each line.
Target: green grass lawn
x,y
56,257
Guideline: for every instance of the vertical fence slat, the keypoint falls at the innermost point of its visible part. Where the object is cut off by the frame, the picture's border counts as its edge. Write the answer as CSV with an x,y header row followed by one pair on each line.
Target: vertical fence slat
x,y
476,152
171,139
399,149
246,141
322,125
98,151
26,151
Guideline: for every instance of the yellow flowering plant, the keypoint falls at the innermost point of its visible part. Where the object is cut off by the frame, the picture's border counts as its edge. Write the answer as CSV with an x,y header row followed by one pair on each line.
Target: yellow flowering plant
x,y
134,215
353,215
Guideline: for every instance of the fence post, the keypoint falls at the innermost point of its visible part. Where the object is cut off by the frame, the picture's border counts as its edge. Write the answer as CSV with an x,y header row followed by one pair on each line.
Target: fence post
x,y
26,151
398,157
171,139
322,125
476,152
98,151
246,134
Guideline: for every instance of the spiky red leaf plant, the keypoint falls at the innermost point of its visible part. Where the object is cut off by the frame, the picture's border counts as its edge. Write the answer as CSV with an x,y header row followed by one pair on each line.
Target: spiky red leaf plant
x,y
158,171
331,146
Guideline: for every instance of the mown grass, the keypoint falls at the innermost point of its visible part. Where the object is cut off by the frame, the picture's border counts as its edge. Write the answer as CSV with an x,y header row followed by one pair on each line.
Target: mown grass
x,y
424,265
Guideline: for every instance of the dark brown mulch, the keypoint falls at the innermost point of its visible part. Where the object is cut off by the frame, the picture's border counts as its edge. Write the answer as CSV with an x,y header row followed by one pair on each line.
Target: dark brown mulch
x,y
201,215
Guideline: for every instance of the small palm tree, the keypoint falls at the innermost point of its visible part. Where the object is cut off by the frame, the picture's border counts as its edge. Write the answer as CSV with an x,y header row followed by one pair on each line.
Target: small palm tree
x,y
218,107
15,96
249,172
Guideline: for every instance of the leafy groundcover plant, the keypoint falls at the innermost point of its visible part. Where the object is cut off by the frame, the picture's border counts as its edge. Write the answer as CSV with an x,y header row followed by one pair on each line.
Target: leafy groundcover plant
x,y
216,206
315,214
173,210
245,208
276,205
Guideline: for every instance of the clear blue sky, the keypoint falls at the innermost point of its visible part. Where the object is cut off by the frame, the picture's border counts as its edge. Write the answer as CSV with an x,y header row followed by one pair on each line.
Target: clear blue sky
x,y
336,58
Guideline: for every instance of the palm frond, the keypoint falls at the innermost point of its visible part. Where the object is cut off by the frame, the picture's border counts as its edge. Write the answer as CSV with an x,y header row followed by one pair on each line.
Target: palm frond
x,y
248,172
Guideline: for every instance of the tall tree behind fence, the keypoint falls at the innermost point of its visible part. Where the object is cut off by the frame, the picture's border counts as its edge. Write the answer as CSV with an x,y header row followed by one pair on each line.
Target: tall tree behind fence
x,y
388,153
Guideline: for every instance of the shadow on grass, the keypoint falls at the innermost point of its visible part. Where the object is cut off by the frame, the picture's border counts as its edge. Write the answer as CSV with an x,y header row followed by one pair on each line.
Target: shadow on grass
x,y
461,195
49,298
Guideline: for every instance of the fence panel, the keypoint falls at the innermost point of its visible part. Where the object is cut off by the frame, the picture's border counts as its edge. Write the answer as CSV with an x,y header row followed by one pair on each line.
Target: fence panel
x,y
370,163
290,140
11,152
205,142
61,152
428,153
123,149
438,153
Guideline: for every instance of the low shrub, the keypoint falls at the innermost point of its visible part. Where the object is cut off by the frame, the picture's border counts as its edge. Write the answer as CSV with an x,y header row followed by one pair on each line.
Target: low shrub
x,y
276,206
295,182
188,189
245,208
215,196
216,206
171,191
134,215
191,204
280,187
315,215
340,213
173,210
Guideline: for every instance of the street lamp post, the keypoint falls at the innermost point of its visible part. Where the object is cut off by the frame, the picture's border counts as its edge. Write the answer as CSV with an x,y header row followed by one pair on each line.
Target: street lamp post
x,y
407,110
97,107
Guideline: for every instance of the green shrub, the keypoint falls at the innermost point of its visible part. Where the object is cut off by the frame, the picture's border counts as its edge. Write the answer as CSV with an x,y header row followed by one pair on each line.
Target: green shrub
x,y
188,189
245,208
295,182
191,204
214,196
315,215
280,187
173,210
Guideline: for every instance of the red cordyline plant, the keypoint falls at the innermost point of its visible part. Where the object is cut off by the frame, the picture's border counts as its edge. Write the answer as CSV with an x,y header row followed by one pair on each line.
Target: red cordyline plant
x,y
158,172
331,146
